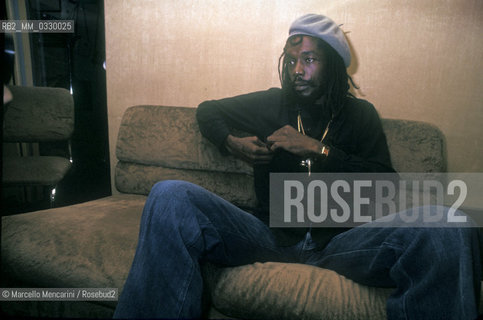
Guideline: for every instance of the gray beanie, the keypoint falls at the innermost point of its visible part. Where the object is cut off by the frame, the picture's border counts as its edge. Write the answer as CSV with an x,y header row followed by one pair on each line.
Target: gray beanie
x,y
321,27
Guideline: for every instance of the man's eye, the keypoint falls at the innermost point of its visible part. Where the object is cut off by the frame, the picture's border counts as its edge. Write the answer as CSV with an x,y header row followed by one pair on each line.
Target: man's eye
x,y
291,62
309,60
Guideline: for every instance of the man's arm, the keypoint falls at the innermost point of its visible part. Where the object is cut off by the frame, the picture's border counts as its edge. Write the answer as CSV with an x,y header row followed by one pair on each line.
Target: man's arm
x,y
253,113
250,149
370,145
291,140
370,154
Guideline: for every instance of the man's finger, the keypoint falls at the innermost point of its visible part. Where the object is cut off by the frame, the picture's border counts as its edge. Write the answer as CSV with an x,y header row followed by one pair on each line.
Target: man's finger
x,y
262,150
276,145
260,143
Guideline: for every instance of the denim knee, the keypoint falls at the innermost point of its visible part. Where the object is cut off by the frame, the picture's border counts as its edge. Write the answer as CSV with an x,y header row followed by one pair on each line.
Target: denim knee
x,y
169,188
169,202
448,243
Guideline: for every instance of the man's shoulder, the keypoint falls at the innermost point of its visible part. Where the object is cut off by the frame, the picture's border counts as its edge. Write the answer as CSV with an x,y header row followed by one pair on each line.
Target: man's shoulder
x,y
270,93
358,102
262,96
360,106
248,101
360,111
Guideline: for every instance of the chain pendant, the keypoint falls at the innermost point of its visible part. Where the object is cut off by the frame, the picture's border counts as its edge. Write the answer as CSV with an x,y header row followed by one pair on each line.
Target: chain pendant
x,y
308,164
300,127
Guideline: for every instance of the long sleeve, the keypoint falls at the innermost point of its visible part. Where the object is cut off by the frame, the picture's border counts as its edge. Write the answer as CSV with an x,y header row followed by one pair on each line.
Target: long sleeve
x,y
358,142
257,113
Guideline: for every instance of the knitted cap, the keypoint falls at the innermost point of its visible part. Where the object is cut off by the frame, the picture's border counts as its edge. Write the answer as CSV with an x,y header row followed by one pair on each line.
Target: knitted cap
x,y
321,27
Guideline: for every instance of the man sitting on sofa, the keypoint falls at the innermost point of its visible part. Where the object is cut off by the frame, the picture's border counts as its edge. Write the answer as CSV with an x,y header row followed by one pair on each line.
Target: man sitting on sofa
x,y
313,124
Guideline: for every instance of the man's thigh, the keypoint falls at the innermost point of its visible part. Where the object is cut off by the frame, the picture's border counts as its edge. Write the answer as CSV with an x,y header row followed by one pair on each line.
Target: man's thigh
x,y
362,254
367,254
221,232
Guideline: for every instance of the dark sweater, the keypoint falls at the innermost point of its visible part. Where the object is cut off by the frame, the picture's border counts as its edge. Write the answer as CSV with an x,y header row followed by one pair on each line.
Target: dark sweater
x,y
356,140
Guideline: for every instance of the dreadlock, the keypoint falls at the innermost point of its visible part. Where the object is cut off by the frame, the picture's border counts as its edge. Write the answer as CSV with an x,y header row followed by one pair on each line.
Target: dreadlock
x,y
337,80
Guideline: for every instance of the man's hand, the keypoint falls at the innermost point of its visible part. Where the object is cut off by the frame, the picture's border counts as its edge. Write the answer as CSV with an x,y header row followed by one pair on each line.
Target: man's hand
x,y
250,149
291,140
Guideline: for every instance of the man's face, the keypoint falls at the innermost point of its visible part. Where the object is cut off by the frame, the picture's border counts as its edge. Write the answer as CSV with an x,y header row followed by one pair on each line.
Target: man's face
x,y
305,66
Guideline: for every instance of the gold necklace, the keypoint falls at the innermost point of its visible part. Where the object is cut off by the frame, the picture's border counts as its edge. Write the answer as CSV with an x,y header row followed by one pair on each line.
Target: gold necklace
x,y
300,127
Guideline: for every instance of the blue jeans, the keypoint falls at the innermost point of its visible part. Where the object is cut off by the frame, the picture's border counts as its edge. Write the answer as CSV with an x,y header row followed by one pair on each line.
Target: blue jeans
x,y
435,271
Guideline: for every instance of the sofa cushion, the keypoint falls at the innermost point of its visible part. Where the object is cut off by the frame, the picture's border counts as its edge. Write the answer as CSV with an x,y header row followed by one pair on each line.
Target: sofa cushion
x,y
139,179
415,146
34,170
169,137
39,114
87,245
292,291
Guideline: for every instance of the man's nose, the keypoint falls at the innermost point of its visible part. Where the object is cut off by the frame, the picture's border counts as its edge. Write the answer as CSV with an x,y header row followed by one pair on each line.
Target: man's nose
x,y
299,69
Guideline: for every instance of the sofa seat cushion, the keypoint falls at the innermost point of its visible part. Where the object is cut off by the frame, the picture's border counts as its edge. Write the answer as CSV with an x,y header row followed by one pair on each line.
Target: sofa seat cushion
x,y
286,291
87,245
274,290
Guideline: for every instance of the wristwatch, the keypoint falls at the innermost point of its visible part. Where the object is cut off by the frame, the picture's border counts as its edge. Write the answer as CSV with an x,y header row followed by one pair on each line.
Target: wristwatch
x,y
325,151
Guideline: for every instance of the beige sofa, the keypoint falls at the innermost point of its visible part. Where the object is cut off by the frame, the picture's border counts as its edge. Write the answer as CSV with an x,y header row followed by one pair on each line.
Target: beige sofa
x,y
92,244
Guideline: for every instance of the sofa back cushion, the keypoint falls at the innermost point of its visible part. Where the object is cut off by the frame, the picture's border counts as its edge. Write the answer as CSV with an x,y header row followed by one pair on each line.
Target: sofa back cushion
x,y
38,114
158,142
415,146
169,137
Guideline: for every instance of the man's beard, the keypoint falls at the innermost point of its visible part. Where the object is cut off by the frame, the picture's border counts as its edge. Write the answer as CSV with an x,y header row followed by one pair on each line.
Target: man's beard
x,y
298,98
